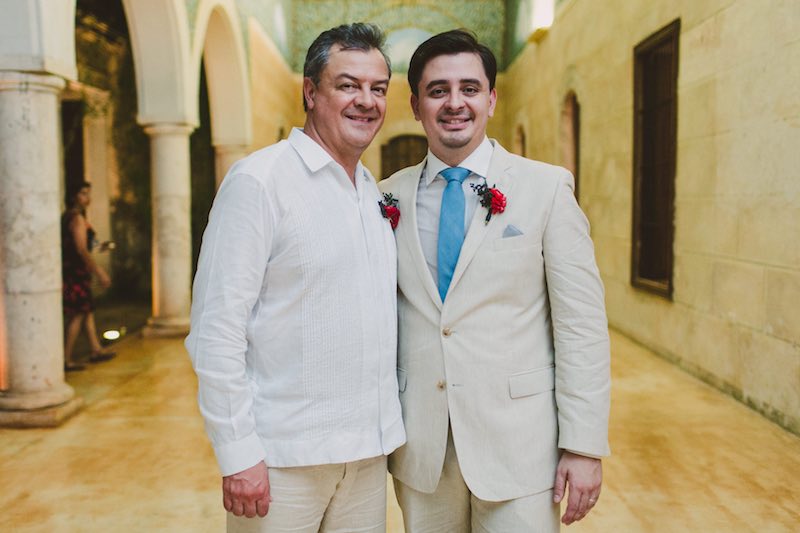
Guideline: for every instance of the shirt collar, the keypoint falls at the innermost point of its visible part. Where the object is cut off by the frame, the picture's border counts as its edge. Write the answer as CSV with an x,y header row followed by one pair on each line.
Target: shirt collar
x,y
477,162
315,157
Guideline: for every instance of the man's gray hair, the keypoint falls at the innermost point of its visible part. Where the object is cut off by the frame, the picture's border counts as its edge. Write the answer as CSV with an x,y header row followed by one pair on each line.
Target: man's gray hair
x,y
356,36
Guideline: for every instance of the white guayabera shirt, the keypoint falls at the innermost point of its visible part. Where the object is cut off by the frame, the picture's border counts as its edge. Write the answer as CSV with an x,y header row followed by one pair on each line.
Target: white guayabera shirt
x,y
294,326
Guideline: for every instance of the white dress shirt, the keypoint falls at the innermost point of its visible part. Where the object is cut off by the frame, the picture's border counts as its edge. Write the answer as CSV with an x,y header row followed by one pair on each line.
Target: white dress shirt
x,y
430,191
294,326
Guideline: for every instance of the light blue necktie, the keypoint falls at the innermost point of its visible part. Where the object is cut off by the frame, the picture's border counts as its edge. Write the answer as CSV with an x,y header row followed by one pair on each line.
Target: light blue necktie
x,y
451,226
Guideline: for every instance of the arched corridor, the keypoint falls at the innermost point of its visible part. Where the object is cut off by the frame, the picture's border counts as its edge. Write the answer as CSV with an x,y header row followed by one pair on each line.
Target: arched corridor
x,y
692,196
685,457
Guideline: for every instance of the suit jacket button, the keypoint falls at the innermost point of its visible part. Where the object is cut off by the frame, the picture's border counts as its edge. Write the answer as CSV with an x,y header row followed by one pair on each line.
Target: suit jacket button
x,y
446,332
440,384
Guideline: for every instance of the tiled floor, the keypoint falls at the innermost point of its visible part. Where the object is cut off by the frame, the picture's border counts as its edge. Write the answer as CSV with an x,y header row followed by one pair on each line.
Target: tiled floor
x,y
686,458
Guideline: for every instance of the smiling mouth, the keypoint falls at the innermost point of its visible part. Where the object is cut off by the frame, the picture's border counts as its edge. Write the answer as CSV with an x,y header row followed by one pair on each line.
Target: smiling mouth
x,y
363,120
454,122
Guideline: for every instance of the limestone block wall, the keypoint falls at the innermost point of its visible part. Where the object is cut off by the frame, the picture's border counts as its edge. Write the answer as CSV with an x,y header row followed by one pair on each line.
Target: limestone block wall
x,y
275,91
734,319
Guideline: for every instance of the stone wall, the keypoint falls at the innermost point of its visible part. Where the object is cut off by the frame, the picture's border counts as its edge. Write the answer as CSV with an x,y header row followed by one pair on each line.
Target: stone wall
x,y
275,90
734,319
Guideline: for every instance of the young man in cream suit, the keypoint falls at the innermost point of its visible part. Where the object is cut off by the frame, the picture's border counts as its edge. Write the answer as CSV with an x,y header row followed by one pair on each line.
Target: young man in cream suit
x,y
503,361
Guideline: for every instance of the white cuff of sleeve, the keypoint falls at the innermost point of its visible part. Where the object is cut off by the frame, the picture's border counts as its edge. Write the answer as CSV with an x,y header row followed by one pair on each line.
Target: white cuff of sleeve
x,y
234,457
584,454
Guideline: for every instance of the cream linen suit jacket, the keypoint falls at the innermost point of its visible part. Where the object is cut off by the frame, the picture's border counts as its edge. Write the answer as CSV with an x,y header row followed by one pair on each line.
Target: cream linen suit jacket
x,y
517,358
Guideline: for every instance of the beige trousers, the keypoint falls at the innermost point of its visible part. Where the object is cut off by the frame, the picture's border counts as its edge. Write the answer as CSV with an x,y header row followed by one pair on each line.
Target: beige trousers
x,y
452,508
339,498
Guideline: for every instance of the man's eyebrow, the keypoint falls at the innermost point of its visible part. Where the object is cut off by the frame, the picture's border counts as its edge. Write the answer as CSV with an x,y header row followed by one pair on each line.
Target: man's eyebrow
x,y
350,77
472,81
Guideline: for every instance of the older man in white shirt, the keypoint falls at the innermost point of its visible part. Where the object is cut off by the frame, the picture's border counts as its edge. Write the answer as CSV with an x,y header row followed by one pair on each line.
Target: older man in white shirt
x,y
293,332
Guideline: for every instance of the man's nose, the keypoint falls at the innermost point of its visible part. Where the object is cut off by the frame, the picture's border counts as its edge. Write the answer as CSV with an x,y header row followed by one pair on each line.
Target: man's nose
x,y
455,100
365,98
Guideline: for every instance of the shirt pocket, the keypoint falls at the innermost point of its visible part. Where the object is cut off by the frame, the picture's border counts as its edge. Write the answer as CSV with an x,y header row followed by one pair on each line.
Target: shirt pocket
x,y
532,382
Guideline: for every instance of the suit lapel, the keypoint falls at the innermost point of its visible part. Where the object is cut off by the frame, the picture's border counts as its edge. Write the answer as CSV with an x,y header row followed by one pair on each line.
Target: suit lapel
x,y
500,178
408,233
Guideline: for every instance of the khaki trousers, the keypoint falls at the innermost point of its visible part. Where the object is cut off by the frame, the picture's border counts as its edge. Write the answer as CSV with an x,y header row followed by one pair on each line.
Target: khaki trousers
x,y
452,508
339,498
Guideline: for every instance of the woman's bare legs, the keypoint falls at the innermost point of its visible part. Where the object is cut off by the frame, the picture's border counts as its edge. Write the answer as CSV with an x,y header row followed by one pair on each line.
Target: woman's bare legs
x,y
71,335
91,332
98,353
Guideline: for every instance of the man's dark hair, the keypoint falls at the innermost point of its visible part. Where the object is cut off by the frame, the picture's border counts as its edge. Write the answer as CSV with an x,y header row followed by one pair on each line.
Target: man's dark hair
x,y
355,36
450,43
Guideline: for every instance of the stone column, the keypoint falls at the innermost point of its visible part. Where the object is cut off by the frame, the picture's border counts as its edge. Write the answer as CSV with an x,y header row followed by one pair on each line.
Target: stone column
x,y
34,392
96,162
225,155
172,234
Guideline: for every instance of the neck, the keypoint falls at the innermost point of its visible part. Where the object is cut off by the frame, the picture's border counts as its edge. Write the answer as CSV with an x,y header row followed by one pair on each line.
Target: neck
x,y
347,161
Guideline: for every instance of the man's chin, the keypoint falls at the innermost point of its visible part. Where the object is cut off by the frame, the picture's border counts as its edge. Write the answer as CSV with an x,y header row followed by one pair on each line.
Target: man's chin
x,y
361,142
454,142
365,130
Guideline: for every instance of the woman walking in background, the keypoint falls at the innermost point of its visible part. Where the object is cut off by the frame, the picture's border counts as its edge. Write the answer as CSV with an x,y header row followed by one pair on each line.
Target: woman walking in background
x,y
77,242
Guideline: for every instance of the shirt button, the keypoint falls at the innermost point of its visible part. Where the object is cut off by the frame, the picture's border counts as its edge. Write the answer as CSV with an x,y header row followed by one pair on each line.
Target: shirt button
x,y
440,384
446,332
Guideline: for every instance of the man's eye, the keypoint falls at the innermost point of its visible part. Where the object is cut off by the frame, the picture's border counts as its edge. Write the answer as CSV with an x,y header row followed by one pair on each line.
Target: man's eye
x,y
470,90
381,91
438,92
348,86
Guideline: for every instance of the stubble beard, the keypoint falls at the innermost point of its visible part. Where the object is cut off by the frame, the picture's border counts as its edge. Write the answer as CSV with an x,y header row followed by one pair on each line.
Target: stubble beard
x,y
455,141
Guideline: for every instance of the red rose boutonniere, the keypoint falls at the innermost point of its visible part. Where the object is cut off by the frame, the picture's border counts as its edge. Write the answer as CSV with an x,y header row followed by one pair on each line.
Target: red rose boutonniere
x,y
389,209
492,199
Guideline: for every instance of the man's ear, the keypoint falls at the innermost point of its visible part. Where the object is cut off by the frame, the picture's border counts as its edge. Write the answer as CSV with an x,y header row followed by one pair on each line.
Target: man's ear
x,y
309,91
492,101
415,106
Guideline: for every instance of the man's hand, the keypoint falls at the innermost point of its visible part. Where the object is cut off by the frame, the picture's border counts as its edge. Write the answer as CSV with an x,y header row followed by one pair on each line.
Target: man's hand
x,y
247,493
584,476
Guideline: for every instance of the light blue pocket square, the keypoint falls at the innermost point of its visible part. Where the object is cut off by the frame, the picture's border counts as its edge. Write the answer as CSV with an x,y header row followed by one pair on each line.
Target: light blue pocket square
x,y
511,231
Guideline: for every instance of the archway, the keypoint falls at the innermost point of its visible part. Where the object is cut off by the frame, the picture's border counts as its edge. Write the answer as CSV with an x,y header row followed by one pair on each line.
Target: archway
x,y
203,169
219,42
102,109
402,151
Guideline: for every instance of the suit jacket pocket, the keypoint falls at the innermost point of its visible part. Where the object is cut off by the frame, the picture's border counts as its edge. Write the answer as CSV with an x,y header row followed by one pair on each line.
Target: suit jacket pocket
x,y
513,243
401,379
532,382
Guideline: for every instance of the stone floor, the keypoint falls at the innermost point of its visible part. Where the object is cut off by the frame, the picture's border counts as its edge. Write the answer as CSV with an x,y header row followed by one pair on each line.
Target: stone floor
x,y
686,458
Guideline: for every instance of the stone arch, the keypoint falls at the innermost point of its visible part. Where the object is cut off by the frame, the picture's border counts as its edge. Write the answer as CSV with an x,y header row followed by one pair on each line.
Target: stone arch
x,y
219,42
159,33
